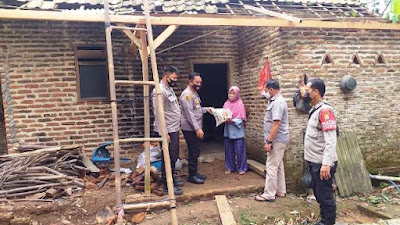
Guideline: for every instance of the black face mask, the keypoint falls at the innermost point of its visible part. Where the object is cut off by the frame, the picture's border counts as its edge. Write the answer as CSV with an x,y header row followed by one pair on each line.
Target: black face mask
x,y
307,99
196,87
171,83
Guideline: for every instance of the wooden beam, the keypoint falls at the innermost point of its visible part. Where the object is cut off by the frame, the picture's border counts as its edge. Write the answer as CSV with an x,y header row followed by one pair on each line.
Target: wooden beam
x,y
163,36
272,13
225,211
131,36
196,20
256,167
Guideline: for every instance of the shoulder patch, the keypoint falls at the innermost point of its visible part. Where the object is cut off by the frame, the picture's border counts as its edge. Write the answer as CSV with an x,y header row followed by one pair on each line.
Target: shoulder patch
x,y
327,119
188,97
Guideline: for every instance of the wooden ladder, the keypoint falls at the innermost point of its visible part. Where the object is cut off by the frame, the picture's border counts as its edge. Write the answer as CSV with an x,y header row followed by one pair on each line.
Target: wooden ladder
x,y
170,201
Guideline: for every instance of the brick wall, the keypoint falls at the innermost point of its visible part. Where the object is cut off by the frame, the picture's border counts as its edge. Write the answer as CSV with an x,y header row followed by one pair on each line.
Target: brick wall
x,y
40,90
370,110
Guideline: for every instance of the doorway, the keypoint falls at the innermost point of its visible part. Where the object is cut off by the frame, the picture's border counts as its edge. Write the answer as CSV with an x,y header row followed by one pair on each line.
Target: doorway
x,y
213,93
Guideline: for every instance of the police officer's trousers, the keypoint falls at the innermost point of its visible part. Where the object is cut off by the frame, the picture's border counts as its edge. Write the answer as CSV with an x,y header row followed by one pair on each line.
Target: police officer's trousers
x,y
193,143
173,148
323,192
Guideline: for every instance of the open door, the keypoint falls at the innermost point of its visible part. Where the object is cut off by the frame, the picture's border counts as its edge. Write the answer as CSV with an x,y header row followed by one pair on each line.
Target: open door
x,y
213,93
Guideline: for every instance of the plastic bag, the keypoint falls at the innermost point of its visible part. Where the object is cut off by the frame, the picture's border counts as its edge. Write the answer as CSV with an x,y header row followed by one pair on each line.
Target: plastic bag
x,y
221,115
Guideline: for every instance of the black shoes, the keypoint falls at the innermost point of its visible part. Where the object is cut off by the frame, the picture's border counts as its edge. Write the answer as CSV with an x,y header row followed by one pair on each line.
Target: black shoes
x,y
201,176
326,222
196,179
178,183
177,190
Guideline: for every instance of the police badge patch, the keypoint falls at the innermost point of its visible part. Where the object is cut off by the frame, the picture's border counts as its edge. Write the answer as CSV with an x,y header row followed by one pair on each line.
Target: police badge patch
x,y
327,119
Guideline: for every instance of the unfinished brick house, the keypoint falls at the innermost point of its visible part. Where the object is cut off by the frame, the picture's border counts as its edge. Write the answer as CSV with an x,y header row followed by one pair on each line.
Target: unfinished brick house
x,y
54,75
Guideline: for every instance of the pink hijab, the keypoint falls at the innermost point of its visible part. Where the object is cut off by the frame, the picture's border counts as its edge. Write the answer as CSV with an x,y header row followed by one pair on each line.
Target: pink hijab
x,y
236,106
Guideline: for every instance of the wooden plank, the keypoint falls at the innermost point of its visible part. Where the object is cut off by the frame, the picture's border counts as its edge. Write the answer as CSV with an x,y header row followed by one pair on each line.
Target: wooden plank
x,y
257,167
272,13
352,176
196,20
373,213
225,211
89,164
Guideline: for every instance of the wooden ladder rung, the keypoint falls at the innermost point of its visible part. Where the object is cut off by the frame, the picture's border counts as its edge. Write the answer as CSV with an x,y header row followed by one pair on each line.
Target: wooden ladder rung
x,y
131,82
128,28
145,205
127,140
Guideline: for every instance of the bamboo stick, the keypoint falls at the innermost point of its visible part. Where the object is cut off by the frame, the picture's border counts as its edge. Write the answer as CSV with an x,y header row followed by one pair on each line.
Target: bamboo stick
x,y
167,160
146,102
113,104
147,206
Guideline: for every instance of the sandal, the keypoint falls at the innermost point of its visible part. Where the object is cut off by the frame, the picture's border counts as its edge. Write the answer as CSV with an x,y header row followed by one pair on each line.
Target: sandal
x,y
261,198
280,195
228,171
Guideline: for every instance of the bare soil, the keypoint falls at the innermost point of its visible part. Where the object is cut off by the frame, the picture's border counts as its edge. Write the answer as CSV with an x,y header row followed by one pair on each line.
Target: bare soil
x,y
82,207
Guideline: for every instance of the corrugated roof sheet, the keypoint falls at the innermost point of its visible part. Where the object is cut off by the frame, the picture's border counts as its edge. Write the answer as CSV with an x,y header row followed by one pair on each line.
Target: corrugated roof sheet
x,y
335,9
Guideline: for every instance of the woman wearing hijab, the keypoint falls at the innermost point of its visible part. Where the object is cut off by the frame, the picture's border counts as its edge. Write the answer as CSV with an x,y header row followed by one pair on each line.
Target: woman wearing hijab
x,y
235,149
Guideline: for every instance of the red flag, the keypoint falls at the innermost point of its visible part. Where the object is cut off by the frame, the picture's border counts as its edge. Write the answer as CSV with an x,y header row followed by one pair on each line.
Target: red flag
x,y
265,75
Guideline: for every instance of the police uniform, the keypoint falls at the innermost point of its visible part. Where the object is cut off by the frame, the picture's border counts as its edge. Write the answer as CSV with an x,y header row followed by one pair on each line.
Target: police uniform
x,y
172,114
320,149
191,121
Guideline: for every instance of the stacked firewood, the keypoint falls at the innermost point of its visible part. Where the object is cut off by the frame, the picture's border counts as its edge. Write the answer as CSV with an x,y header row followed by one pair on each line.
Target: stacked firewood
x,y
51,171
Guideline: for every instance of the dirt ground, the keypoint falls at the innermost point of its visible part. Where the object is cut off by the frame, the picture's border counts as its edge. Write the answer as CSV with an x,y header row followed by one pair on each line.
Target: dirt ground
x,y
82,207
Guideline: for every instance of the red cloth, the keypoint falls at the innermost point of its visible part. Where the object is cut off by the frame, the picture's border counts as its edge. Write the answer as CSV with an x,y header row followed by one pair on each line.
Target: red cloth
x,y
265,74
236,106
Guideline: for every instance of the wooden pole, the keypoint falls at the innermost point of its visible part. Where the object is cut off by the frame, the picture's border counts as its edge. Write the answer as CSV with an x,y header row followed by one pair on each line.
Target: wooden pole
x,y
146,102
113,104
198,20
163,129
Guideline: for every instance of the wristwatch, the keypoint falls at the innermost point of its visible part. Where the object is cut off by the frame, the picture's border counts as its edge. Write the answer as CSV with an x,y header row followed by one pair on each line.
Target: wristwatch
x,y
269,142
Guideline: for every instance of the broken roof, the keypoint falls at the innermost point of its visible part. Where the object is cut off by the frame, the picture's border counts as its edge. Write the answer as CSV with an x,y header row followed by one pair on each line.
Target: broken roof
x,y
313,9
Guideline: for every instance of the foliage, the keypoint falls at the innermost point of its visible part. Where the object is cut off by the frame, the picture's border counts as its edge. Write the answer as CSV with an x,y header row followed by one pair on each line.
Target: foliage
x,y
245,219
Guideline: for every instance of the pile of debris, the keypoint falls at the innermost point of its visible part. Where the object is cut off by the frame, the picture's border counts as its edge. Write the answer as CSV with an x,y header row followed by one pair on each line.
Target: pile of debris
x,y
52,172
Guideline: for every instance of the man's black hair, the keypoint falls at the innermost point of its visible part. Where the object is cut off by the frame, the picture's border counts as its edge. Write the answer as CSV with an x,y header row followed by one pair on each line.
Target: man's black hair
x,y
274,84
169,70
192,75
318,84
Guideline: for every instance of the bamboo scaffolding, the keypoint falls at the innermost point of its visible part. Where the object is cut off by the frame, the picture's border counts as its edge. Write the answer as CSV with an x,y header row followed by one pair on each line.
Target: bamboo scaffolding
x,y
144,57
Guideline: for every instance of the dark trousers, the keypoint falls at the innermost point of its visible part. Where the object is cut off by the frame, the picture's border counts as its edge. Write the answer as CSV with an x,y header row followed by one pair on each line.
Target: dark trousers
x,y
323,192
173,148
193,143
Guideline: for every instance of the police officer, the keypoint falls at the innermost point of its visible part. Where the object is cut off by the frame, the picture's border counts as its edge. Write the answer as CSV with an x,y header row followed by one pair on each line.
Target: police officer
x,y
172,114
192,124
320,149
